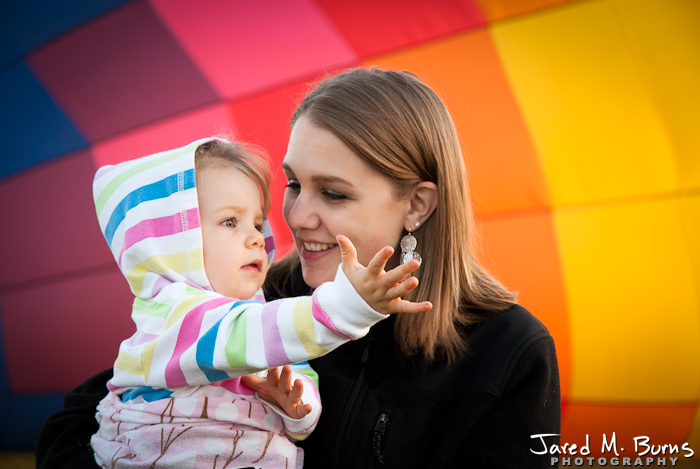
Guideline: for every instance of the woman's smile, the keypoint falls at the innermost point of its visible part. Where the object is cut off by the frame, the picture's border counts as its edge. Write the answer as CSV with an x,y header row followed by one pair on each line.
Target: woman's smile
x,y
313,251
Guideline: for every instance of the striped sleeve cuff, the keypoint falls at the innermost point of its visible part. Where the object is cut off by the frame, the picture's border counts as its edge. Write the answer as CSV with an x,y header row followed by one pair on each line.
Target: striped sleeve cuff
x,y
342,309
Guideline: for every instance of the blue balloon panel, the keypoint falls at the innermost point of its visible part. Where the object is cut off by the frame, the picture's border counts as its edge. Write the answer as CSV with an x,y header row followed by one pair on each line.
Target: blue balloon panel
x,y
32,128
25,25
119,72
27,414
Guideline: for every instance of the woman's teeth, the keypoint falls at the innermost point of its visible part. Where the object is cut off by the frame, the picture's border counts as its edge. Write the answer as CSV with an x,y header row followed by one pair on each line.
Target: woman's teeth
x,y
315,247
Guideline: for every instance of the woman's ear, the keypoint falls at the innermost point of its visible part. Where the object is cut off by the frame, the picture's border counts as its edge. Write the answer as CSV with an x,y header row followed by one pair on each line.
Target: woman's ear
x,y
422,204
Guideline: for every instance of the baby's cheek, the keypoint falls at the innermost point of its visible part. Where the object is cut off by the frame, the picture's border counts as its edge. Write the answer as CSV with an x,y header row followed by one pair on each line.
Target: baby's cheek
x,y
217,271
260,282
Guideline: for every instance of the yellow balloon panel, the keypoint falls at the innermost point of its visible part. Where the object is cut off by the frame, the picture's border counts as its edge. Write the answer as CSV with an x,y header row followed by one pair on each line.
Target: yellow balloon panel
x,y
690,210
632,303
504,171
665,35
691,217
596,130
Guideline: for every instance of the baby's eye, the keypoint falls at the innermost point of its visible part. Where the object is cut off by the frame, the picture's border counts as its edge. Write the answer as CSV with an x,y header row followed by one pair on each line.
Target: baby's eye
x,y
259,227
230,223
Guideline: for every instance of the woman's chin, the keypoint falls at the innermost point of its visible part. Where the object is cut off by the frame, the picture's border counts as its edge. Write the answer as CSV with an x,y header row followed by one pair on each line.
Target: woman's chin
x,y
315,276
319,266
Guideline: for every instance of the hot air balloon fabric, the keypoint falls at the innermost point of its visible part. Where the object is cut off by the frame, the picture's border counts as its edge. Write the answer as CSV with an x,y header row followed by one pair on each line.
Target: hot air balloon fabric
x,y
578,118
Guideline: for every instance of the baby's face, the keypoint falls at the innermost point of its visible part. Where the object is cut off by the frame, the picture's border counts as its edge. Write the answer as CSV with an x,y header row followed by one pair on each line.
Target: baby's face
x,y
234,247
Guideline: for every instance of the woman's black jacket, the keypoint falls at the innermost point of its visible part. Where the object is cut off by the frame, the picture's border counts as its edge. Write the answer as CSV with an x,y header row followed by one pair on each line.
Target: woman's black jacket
x,y
382,411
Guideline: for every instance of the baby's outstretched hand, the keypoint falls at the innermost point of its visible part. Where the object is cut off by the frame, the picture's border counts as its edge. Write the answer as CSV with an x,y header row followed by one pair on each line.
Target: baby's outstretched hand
x,y
277,388
381,290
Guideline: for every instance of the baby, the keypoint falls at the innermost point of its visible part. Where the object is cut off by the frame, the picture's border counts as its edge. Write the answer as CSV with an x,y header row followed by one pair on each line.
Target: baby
x,y
187,228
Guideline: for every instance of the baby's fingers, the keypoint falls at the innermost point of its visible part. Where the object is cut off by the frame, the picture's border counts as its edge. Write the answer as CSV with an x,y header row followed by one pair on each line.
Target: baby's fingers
x,y
376,265
297,391
273,377
254,382
348,254
403,306
304,410
259,385
285,381
402,288
399,273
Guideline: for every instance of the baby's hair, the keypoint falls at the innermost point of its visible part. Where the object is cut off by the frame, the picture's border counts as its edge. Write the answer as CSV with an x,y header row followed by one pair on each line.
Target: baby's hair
x,y
248,159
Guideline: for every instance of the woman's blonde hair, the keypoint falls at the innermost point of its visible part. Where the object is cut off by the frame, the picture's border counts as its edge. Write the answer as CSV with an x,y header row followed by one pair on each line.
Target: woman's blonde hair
x,y
398,125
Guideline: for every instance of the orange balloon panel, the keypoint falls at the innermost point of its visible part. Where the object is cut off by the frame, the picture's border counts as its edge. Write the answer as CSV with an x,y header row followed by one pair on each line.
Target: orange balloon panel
x,y
663,424
522,252
465,70
500,9
164,135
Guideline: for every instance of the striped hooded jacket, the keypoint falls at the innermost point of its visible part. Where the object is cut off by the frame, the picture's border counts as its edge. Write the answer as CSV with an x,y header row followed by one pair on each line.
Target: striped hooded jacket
x,y
189,337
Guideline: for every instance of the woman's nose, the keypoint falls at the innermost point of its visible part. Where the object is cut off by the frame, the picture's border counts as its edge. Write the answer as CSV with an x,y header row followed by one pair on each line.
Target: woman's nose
x,y
302,214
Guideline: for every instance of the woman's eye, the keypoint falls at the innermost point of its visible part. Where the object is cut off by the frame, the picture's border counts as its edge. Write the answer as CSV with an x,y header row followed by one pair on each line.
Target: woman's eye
x,y
230,223
293,185
334,196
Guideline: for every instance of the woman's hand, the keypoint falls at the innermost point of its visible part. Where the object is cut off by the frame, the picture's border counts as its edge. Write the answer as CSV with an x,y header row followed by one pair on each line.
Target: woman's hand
x,y
381,290
277,388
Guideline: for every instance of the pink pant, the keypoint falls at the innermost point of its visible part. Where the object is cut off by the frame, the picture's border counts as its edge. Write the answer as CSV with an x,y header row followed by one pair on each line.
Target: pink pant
x,y
192,432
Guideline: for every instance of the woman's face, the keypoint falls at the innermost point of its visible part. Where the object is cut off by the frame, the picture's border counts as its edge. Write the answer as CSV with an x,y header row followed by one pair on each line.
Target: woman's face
x,y
331,191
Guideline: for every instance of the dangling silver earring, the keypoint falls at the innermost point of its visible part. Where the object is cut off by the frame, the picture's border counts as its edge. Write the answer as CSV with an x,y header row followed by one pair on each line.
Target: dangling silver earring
x,y
408,246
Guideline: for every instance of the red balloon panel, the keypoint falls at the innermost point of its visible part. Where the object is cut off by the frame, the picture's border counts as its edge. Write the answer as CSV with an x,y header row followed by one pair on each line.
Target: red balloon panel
x,y
663,424
122,70
373,27
57,334
54,227
164,135
264,120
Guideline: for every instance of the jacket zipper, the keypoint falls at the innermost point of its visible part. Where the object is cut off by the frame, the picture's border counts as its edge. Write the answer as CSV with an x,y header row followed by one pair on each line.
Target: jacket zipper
x,y
379,432
351,402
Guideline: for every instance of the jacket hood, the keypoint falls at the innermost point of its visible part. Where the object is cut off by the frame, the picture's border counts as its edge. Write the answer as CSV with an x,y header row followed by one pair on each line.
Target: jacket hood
x,y
149,215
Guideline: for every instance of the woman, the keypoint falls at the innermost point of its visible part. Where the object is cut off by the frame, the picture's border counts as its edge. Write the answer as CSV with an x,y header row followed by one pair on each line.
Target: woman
x,y
374,155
